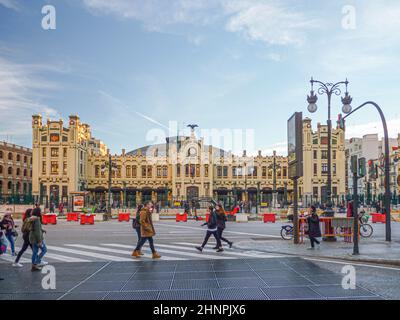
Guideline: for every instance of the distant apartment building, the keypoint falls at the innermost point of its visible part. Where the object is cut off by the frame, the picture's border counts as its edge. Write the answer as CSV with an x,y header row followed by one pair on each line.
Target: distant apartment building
x,y
15,173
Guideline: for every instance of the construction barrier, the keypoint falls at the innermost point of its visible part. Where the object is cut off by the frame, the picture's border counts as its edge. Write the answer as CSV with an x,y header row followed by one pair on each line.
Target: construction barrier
x,y
73,216
378,218
49,219
87,219
269,217
330,227
181,217
123,216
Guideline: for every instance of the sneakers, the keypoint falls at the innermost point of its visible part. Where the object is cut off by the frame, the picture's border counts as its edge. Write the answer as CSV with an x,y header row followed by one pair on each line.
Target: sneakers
x,y
14,254
136,254
230,245
43,263
17,265
156,255
311,248
35,268
200,249
215,248
220,250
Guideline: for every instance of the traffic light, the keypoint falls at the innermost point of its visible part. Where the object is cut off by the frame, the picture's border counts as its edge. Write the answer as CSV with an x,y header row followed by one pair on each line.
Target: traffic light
x,y
371,169
354,165
362,170
341,122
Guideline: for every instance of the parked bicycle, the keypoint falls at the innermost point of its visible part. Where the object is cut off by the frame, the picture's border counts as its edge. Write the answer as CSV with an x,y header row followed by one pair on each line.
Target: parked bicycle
x,y
365,229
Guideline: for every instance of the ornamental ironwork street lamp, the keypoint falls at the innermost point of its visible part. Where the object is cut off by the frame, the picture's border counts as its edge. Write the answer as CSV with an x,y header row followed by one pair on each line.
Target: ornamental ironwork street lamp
x,y
274,167
329,89
110,166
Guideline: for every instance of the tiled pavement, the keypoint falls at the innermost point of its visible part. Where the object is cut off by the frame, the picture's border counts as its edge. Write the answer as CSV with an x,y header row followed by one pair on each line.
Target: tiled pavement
x,y
238,279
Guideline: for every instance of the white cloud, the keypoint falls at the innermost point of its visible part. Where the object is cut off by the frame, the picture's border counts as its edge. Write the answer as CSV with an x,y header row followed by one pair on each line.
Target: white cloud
x,y
281,149
21,90
268,21
359,130
10,4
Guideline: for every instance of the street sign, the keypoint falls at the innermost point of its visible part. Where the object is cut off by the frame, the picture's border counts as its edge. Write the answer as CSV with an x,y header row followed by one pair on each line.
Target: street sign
x,y
295,145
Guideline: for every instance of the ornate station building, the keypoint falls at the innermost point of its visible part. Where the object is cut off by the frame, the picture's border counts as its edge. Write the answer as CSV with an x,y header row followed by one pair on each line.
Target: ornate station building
x,y
67,160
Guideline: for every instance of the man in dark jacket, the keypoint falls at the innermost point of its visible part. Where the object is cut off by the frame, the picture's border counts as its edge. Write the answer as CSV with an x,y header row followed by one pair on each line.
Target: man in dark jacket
x,y
314,230
211,230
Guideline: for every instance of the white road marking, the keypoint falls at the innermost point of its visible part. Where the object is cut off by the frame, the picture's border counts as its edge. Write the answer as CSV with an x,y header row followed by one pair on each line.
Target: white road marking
x,y
232,232
89,254
198,255
255,254
9,258
125,252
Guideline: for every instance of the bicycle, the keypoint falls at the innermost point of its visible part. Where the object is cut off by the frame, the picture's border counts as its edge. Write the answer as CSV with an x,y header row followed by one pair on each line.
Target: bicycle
x,y
365,229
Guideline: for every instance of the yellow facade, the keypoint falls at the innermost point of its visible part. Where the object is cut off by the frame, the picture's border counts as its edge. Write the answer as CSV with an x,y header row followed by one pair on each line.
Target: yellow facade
x,y
68,160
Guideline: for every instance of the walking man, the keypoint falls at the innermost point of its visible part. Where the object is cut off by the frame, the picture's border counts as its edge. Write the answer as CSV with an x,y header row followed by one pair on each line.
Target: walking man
x,y
314,230
211,230
147,231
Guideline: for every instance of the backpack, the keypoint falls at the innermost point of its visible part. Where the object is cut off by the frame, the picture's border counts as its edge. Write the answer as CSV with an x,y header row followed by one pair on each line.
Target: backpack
x,y
27,226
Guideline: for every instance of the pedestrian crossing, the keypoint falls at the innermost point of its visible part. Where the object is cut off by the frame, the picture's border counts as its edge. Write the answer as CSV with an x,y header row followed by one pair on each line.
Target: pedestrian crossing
x,y
76,252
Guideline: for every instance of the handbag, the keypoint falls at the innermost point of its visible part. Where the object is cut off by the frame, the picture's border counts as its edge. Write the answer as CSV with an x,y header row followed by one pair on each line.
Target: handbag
x,y
3,243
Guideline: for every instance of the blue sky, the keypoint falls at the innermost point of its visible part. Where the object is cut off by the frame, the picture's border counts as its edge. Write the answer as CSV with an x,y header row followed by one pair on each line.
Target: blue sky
x,y
126,65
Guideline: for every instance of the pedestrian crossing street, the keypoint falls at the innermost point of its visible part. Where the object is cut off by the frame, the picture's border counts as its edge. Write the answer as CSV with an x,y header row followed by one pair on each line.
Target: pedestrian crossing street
x,y
71,253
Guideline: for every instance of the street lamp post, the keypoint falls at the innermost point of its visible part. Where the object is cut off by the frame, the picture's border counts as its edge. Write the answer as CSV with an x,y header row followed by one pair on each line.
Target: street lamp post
x,y
329,89
387,165
109,166
274,166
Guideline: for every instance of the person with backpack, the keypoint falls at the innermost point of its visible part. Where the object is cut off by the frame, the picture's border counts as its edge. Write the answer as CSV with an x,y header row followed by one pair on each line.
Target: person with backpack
x,y
221,225
211,230
9,231
147,231
314,230
136,226
36,239
25,229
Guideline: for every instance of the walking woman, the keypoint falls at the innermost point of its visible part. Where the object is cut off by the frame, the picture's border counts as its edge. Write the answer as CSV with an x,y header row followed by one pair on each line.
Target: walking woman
x,y
136,225
211,230
314,230
36,239
221,224
25,229
147,231
9,231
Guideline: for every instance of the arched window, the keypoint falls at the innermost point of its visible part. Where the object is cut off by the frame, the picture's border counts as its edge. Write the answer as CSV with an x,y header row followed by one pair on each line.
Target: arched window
x,y
1,154
25,159
9,185
9,170
10,156
17,187
1,169
18,158
18,171
25,172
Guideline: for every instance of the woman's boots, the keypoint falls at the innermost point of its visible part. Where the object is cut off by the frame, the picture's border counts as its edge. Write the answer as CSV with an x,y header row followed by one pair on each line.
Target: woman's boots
x,y
156,255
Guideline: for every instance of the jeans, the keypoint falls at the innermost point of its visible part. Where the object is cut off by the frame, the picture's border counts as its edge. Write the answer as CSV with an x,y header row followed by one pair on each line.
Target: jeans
x,y
11,240
36,257
25,246
220,231
139,236
142,242
313,241
208,235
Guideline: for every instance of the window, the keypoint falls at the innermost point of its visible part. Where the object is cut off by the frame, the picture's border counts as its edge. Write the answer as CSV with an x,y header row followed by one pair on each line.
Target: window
x,y
324,168
225,171
334,168
254,171
284,172
96,171
197,170
315,191
334,155
10,186
206,170
54,152
10,156
1,154
270,173
119,170
186,170
315,169
25,159
18,171
128,171
18,158
219,171
44,152
1,169
315,155
134,171
65,167
159,171
65,152
264,172
54,167
25,172
324,154
178,170
144,171
10,171
334,191
165,171
149,171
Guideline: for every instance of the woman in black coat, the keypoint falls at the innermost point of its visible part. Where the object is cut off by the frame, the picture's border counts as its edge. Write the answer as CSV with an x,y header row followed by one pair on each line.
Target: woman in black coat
x,y
211,230
221,224
314,230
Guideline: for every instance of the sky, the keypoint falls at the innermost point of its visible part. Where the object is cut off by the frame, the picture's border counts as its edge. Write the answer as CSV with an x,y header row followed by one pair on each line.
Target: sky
x,y
130,67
